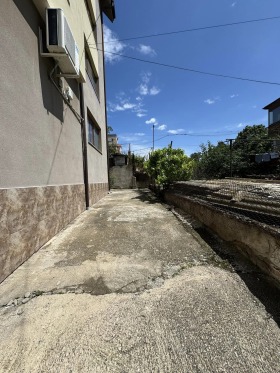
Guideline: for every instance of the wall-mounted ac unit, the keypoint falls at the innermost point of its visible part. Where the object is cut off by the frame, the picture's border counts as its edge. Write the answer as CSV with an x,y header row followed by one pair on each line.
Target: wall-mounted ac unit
x,y
61,43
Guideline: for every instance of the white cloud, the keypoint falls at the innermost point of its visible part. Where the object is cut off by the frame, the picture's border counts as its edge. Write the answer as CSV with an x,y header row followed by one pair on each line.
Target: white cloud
x,y
233,126
117,107
162,127
142,150
121,107
144,88
152,121
233,4
138,98
254,106
124,103
145,77
146,50
154,91
176,132
141,115
234,95
209,101
128,105
112,45
139,134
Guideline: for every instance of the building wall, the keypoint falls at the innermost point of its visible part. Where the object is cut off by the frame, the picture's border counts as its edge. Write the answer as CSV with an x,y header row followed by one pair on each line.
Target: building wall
x,y
122,177
76,14
97,160
41,161
40,137
274,130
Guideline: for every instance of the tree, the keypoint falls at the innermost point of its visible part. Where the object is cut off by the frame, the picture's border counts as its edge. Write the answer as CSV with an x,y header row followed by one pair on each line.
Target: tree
x,y
109,129
250,141
138,162
168,165
112,148
213,161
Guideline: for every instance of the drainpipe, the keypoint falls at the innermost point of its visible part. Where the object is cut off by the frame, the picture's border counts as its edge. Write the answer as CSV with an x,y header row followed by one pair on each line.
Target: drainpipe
x,y
105,101
84,144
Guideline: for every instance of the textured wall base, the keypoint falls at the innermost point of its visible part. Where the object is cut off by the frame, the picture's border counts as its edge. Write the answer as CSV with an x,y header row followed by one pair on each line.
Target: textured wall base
x,y
29,217
97,191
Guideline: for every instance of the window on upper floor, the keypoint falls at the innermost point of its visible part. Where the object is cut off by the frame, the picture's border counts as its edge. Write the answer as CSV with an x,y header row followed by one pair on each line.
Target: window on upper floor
x,y
274,116
91,72
94,133
91,17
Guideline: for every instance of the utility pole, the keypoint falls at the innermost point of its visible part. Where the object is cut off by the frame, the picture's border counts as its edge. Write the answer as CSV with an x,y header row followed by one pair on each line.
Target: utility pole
x,y
171,143
230,149
153,137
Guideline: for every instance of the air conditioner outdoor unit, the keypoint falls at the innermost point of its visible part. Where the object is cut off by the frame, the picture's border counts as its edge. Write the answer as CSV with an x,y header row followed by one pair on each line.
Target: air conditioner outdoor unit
x,y
61,43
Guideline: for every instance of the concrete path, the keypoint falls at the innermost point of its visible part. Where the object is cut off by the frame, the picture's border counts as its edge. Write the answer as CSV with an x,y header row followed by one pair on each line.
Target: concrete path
x,y
129,288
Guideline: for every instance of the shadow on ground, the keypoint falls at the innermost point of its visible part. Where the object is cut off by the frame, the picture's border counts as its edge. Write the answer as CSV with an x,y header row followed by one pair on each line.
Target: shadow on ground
x,y
257,282
145,195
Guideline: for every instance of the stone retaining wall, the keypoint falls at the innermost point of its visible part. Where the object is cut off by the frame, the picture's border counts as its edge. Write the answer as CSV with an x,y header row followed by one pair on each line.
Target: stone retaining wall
x,y
259,242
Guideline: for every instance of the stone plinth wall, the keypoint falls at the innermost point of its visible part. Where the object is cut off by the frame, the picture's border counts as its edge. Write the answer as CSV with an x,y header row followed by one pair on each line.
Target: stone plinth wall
x,y
29,217
97,191
259,242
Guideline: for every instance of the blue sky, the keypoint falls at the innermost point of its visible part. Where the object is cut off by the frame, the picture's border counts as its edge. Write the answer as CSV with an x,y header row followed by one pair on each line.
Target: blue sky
x,y
180,102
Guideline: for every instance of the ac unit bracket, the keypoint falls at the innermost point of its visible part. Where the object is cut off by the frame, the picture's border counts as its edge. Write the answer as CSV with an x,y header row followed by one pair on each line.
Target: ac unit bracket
x,y
55,56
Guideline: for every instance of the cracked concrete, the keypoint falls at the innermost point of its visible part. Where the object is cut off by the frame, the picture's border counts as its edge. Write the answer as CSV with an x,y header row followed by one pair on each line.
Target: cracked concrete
x,y
120,245
128,288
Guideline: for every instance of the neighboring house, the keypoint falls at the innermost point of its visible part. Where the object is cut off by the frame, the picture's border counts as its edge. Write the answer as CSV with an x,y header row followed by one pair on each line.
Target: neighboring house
x,y
273,118
113,144
53,152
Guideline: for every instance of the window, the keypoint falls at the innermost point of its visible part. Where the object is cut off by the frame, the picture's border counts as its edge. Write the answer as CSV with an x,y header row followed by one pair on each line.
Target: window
x,y
94,133
274,116
92,74
93,26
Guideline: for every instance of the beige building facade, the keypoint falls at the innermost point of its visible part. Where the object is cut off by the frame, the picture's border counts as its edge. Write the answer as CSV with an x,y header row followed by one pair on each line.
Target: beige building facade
x,y
53,149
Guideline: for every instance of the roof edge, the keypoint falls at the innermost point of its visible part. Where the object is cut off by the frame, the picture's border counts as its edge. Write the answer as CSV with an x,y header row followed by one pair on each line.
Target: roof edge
x,y
108,8
273,105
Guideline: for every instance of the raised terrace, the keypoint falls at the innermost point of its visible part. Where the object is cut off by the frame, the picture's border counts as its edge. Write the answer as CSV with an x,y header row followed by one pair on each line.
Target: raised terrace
x,y
245,213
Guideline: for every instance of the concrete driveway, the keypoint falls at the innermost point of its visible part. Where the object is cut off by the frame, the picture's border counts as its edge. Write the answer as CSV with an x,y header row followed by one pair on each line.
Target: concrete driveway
x,y
128,288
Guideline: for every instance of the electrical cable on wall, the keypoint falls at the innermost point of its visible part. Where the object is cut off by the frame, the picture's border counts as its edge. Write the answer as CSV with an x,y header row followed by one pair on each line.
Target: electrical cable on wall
x,y
77,115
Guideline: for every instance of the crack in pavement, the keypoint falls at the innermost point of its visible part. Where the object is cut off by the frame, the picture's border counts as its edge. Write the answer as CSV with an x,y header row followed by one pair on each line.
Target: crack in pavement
x,y
152,283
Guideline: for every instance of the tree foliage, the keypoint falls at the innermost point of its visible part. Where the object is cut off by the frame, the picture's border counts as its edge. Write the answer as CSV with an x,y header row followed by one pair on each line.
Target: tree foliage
x,y
109,129
167,165
213,161
138,162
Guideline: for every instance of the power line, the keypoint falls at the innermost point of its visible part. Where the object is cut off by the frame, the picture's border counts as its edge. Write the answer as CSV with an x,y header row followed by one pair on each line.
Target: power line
x,y
138,150
190,70
196,135
188,145
187,134
195,29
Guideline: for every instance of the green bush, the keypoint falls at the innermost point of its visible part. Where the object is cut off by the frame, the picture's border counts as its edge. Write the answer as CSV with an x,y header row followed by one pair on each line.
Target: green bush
x,y
168,165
